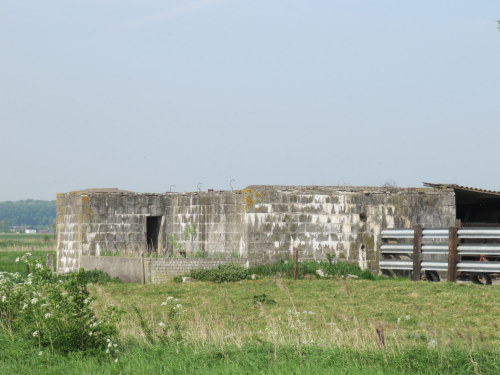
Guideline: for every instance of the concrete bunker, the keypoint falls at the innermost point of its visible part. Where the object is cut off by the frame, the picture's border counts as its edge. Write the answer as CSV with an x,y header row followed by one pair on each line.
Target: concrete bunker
x,y
256,225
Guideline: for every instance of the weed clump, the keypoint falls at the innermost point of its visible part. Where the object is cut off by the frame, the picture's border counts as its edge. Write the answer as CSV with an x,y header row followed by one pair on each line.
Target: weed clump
x,y
229,272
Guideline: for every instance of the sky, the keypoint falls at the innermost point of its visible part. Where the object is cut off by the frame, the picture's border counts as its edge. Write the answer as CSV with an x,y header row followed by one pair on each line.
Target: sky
x,y
153,96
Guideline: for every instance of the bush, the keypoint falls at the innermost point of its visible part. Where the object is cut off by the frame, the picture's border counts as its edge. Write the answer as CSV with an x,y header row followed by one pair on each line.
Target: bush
x,y
55,311
223,273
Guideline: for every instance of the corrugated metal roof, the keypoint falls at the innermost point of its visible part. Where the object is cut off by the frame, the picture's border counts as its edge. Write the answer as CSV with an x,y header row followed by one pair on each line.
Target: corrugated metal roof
x,y
460,187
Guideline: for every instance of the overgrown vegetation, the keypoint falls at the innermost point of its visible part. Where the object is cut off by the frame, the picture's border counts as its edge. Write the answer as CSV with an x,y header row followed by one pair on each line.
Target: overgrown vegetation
x,y
233,272
311,268
55,312
223,273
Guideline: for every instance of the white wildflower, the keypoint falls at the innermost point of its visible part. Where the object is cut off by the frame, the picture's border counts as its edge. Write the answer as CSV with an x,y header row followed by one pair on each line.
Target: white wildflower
x,y
40,353
35,334
399,320
407,317
110,345
34,300
116,359
115,345
163,304
170,298
161,324
4,298
24,306
17,260
38,266
47,315
90,333
178,306
107,351
108,340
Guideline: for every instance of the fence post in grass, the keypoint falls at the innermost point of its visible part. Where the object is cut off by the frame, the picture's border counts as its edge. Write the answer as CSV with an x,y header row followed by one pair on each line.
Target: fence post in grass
x,y
295,263
417,253
50,262
452,254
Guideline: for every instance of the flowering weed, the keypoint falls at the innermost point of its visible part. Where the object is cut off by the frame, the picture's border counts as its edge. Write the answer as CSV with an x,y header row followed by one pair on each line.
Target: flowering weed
x,y
55,311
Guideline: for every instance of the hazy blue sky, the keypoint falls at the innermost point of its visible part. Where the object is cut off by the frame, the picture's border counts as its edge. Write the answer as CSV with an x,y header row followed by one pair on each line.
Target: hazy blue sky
x,y
142,94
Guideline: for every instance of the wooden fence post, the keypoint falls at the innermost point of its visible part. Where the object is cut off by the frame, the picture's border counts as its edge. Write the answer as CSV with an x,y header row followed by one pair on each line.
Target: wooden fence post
x,y
296,263
417,253
452,254
50,262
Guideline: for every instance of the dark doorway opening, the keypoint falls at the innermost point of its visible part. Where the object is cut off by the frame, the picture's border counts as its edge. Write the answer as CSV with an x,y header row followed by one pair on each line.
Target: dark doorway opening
x,y
153,224
477,209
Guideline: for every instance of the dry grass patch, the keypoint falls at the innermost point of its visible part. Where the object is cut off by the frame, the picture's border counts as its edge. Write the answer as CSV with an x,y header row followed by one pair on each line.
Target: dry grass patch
x,y
346,313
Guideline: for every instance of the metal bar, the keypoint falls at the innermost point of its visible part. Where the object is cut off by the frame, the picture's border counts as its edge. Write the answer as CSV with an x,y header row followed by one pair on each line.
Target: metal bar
x,y
396,249
435,233
397,233
492,267
472,249
434,266
479,233
396,264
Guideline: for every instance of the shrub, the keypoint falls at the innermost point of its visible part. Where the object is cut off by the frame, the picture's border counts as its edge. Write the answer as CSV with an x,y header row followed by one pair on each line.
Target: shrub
x,y
224,273
55,311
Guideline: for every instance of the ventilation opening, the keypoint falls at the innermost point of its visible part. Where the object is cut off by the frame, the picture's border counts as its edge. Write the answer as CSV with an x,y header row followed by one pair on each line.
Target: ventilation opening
x,y
153,224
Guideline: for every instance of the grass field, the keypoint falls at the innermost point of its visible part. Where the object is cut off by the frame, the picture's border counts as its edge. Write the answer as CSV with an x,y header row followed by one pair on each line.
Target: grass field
x,y
27,242
325,313
280,326
13,246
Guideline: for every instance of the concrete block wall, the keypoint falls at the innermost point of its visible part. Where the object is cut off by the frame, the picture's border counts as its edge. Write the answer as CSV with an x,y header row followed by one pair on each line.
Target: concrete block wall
x,y
162,270
343,221
211,223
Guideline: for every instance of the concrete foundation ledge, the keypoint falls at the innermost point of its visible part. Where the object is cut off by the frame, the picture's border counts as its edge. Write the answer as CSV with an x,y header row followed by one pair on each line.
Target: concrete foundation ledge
x,y
151,270
129,270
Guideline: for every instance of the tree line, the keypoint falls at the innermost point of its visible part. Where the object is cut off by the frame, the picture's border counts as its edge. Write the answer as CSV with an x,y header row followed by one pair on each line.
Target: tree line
x,y
31,213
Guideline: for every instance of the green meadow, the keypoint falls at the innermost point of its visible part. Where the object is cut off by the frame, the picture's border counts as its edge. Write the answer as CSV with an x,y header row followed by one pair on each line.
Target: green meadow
x,y
275,325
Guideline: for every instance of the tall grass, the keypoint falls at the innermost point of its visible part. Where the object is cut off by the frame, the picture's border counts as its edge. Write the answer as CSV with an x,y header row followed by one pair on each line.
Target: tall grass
x,y
357,314
286,268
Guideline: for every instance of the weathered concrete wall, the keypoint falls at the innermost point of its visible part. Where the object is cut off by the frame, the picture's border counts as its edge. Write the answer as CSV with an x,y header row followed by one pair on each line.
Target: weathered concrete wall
x,y
69,218
260,223
343,221
130,270
113,222
162,270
